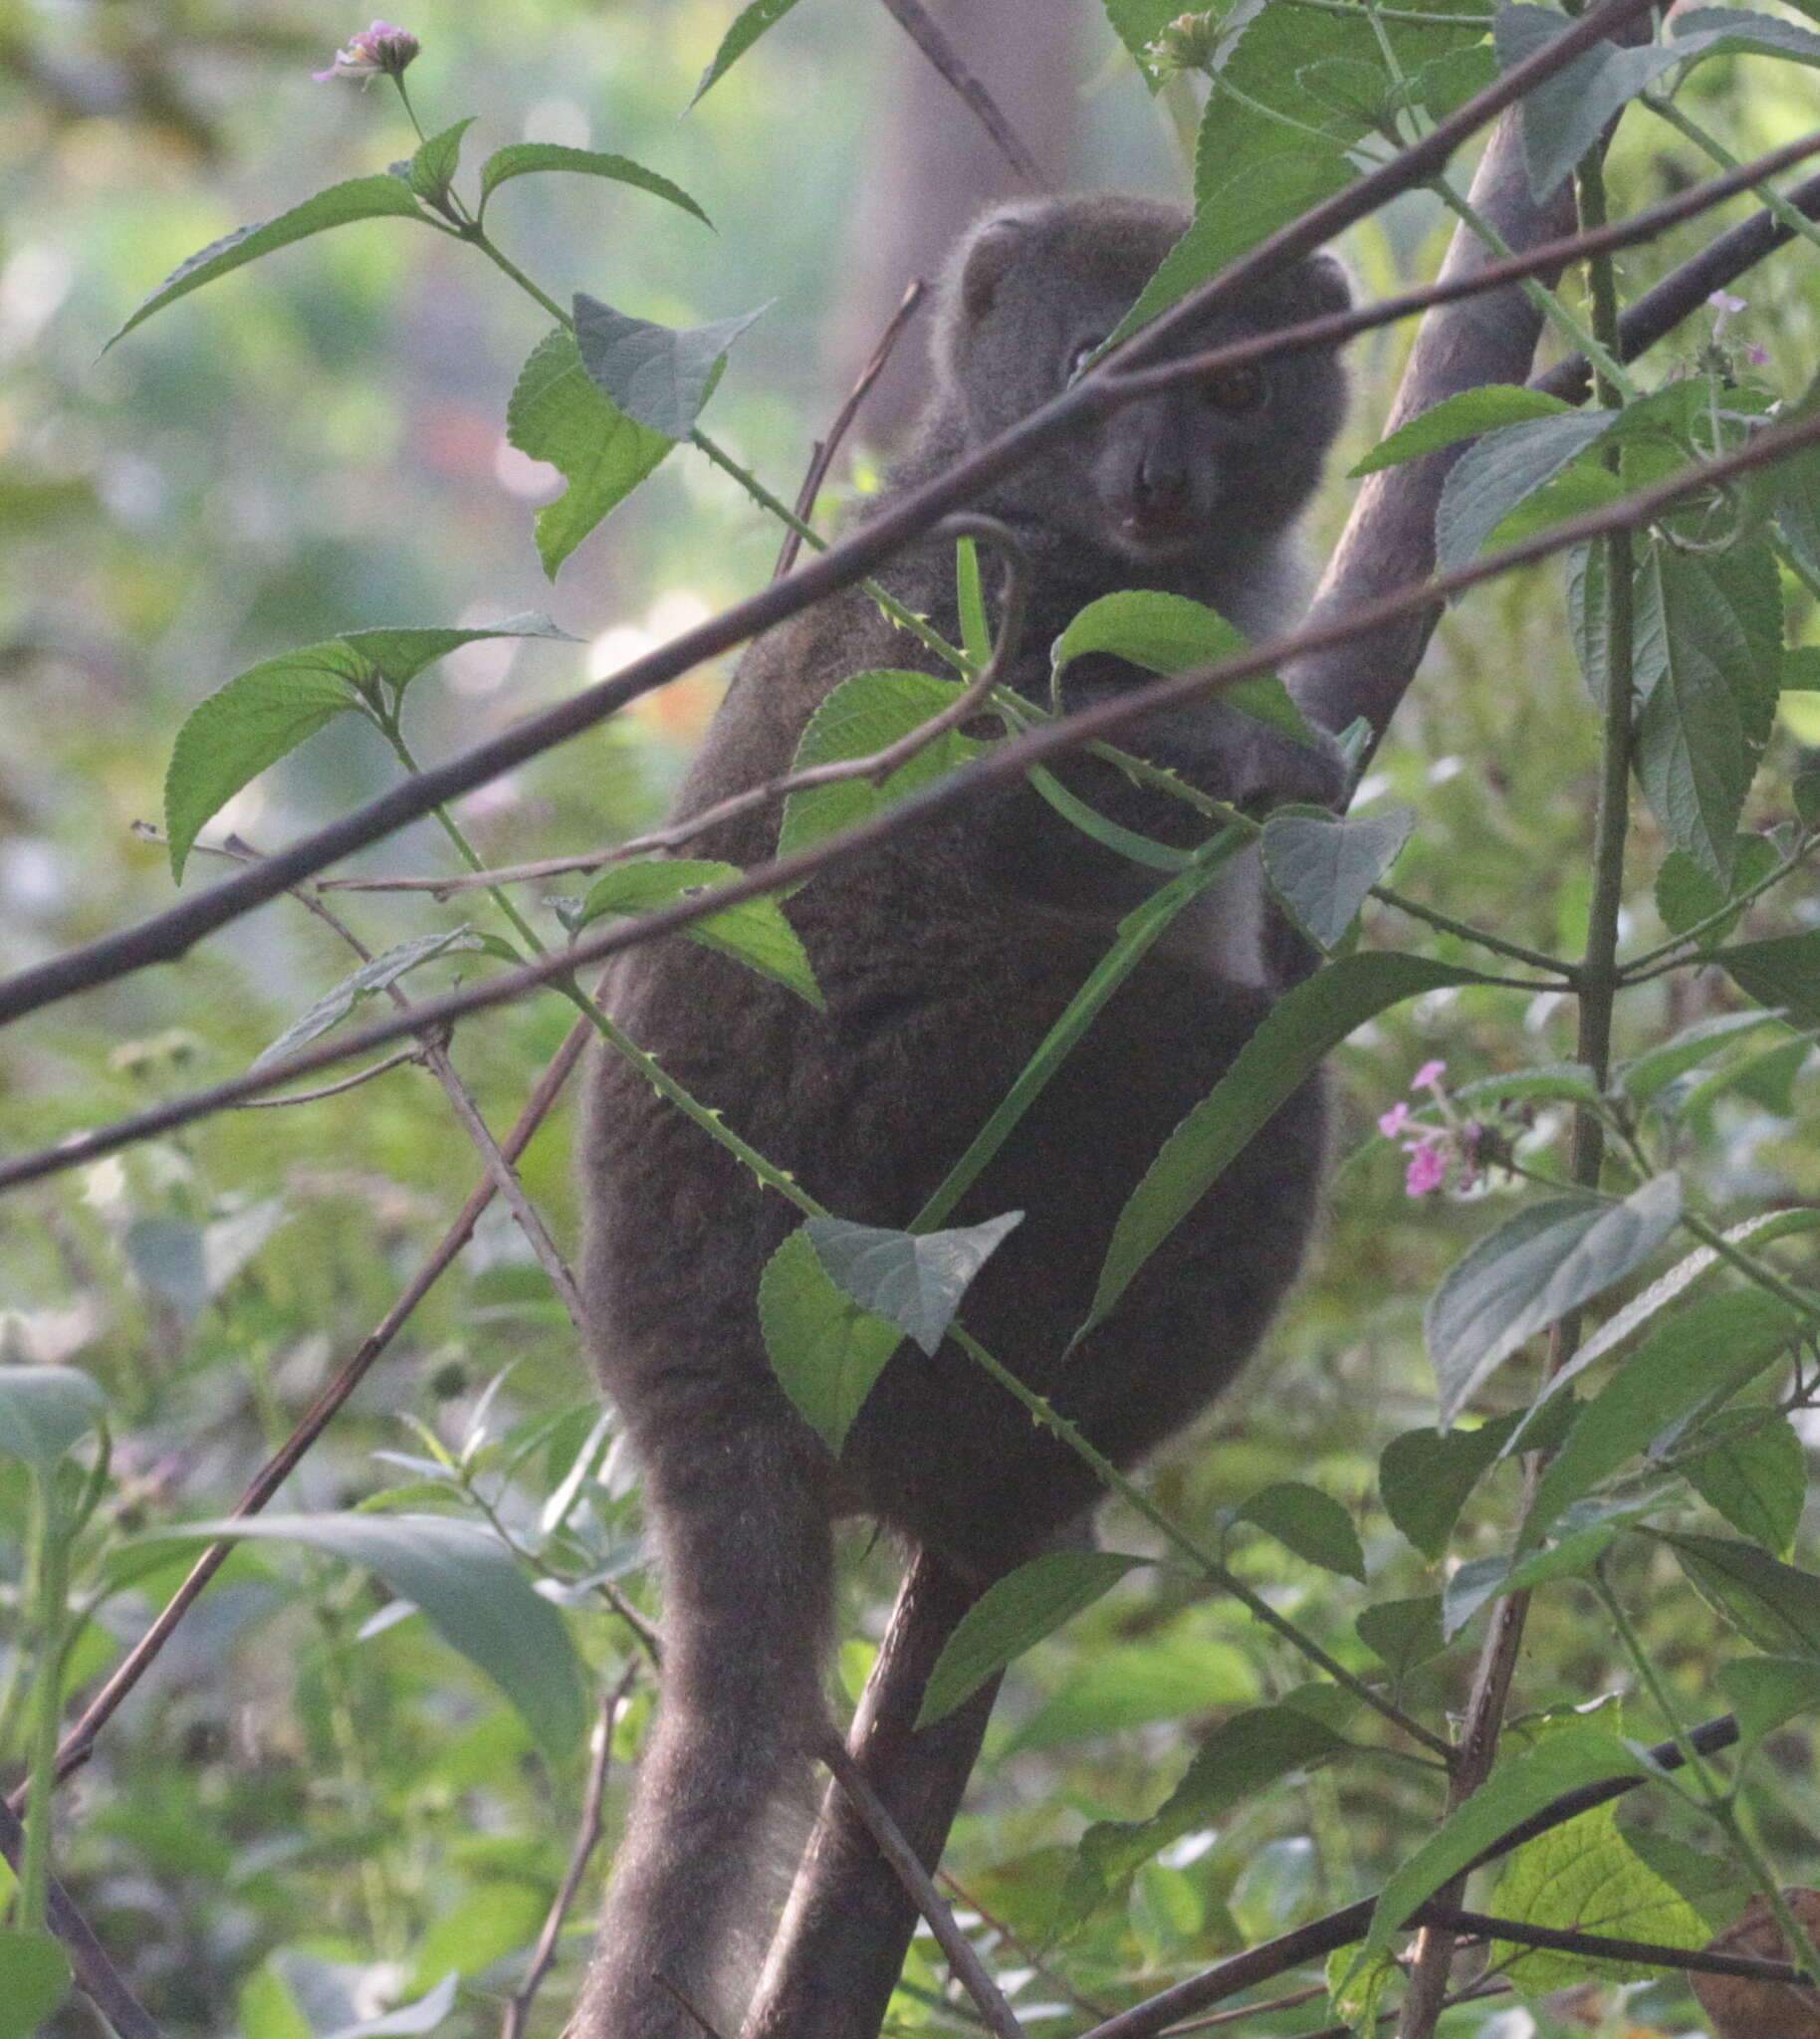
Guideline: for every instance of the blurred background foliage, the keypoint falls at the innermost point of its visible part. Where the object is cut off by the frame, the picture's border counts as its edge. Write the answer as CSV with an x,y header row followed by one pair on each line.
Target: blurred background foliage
x,y
290,1821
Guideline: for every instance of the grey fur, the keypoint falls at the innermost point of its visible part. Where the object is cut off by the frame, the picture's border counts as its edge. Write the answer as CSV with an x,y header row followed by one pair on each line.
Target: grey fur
x,y
945,954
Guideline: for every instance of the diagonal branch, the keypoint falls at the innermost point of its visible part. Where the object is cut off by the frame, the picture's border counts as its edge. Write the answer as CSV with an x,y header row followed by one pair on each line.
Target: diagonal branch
x,y
931,38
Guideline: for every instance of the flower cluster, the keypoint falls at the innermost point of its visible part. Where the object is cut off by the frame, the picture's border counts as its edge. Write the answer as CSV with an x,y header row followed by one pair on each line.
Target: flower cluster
x,y
1186,44
1434,1151
382,51
1727,307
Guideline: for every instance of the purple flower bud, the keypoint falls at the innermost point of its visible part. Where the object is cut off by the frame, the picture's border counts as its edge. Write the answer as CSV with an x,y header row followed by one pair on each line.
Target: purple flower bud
x,y
382,51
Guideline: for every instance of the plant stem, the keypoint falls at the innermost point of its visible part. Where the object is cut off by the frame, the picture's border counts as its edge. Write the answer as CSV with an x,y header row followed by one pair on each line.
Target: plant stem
x,y
1715,150
50,1576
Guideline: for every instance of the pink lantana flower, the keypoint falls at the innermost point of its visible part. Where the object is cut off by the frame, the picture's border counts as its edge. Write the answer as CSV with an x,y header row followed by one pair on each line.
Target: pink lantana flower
x,y
1429,1077
1392,1122
382,51
1433,1148
1427,1167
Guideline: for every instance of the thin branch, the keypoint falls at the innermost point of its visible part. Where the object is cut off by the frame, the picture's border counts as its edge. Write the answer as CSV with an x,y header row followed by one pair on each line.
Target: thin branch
x,y
969,1972
354,1082
163,937
1599,1947
587,1838
1026,1953
822,458
1003,764
932,39
95,1976
1320,1937
78,1743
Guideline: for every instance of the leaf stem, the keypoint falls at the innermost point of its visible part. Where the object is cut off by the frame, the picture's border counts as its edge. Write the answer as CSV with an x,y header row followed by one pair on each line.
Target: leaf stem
x,y
50,1577
1767,195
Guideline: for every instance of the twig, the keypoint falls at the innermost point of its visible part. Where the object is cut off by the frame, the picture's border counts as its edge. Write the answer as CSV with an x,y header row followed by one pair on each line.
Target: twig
x,y
821,459
78,1742
164,936
932,39
1026,1953
1004,763
95,1976
587,1838
1599,1947
354,1082
1320,1937
969,1972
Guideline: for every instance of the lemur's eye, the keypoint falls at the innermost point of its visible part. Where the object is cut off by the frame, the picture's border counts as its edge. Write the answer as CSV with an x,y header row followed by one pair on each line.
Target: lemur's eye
x,y
1237,390
1084,353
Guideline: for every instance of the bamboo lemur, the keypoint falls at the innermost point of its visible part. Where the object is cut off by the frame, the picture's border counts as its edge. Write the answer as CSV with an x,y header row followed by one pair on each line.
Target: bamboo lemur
x,y
944,955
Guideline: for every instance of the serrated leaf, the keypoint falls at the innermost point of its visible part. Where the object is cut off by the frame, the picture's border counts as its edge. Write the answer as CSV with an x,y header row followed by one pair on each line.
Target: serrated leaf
x,y
1463,416
436,161
1684,1362
471,1591
1014,1615
1708,715
1357,1993
1555,1082
557,414
1256,201
747,26
359,199
1297,1032
913,1281
1403,1634
1533,1270
863,715
1242,1756
1583,1877
373,977
1505,467
752,931
1755,1475
263,713
527,159
1322,870
823,1348
1170,633
1566,1760
44,1410
657,376
1782,973
34,1980
1565,114
1312,1524
1772,1603
1736,32
1764,1692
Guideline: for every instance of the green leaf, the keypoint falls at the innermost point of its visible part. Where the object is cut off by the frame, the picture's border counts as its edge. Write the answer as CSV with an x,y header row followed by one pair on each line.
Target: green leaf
x,y
1556,1082
556,414
1403,1634
1236,216
1491,1578
1312,1524
1691,1358
261,716
436,161
1794,487
863,715
1169,633
1784,973
1687,894
1463,416
970,601
468,1586
1710,713
360,198
1533,1270
1756,1475
1425,1476
657,376
1564,1762
1014,1615
1583,1877
1138,23
1299,1030
1564,116
823,1348
1650,1073
1502,470
34,1980
524,158
1764,1692
915,1282
372,977
268,2007
752,931
1357,1993
1772,1603
1240,1757
1733,32
747,26
44,1410
1322,870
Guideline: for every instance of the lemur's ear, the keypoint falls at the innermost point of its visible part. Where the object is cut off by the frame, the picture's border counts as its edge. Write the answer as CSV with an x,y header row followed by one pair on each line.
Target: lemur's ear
x,y
984,260
1328,284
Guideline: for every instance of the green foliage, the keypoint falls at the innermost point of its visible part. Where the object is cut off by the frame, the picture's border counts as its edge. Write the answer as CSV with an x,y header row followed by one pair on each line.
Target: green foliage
x,y
658,378
826,1350
527,159
1322,870
752,931
34,1980
915,1282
